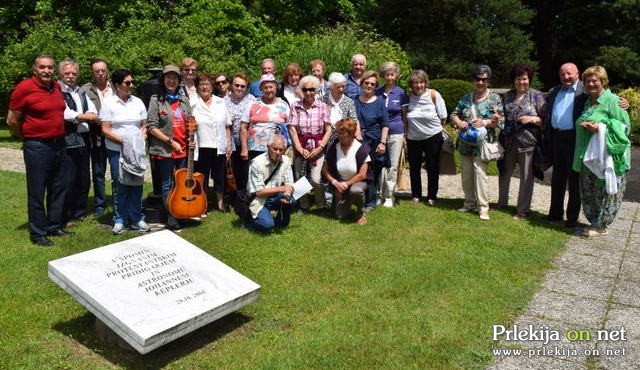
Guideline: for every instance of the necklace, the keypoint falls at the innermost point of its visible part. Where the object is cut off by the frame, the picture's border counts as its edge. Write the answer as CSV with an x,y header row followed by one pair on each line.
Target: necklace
x,y
482,97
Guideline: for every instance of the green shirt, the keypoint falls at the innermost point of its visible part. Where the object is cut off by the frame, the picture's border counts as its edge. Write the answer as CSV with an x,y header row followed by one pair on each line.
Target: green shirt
x,y
606,110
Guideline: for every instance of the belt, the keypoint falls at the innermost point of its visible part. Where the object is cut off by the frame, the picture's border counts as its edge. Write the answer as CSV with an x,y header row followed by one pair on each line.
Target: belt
x,y
46,140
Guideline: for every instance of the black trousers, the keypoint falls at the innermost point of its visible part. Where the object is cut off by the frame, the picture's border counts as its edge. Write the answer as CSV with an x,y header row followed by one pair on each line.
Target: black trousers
x,y
564,178
78,180
44,162
431,149
212,165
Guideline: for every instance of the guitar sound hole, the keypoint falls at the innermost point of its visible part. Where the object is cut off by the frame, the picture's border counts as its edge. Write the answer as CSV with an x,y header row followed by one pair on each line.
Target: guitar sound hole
x,y
189,183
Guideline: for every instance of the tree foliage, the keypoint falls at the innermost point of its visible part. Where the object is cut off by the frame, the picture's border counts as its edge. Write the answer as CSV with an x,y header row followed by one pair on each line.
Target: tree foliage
x,y
446,38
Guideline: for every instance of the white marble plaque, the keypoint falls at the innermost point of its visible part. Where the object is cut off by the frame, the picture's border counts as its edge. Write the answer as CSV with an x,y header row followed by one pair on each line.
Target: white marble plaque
x,y
154,288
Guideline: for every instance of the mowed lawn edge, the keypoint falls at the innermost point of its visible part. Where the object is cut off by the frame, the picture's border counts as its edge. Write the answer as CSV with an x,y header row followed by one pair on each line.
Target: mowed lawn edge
x,y
418,287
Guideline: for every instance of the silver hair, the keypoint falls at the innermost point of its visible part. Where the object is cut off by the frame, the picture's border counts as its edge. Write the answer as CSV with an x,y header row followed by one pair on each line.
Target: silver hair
x,y
358,56
309,79
68,62
481,69
336,78
389,67
275,137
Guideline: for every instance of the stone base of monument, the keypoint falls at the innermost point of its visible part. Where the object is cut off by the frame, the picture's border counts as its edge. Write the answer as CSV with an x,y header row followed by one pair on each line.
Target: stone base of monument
x,y
110,338
152,289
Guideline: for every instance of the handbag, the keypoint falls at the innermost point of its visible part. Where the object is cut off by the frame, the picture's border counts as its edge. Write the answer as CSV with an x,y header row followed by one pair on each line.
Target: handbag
x,y
244,198
447,143
402,181
230,179
491,151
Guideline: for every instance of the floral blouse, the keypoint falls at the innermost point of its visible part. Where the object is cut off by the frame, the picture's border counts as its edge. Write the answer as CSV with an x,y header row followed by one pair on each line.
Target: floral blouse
x,y
484,109
532,104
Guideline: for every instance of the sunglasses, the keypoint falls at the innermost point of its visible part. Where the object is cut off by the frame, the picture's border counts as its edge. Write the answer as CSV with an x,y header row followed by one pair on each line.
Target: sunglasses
x,y
189,69
479,79
223,82
239,86
129,83
368,83
308,89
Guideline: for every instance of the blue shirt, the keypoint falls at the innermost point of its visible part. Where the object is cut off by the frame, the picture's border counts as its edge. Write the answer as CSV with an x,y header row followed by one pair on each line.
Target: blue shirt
x,y
372,117
562,116
254,89
394,101
352,88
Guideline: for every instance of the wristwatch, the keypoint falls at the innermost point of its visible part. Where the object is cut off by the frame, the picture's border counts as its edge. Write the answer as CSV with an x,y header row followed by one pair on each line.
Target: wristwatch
x,y
170,141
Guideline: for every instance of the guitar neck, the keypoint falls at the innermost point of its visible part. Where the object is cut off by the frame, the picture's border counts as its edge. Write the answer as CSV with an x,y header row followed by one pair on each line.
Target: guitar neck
x,y
190,158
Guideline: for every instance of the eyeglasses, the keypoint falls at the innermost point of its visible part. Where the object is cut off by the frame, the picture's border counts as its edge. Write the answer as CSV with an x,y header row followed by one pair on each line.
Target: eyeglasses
x,y
129,83
204,84
308,89
480,79
278,149
239,86
369,83
189,69
223,82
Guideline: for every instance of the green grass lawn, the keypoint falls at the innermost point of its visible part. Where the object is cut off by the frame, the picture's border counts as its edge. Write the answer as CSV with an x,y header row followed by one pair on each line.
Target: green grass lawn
x,y
418,287
6,140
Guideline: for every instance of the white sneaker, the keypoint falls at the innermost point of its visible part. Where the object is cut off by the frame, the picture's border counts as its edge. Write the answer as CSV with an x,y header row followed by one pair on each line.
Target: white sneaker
x,y
388,203
118,228
141,226
484,215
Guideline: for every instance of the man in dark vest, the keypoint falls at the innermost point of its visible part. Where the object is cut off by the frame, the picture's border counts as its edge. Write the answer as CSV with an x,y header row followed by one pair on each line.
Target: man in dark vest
x,y
36,113
97,91
78,116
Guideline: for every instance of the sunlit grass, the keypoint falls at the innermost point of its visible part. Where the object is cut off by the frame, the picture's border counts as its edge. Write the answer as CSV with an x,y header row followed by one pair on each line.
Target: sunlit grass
x,y
418,287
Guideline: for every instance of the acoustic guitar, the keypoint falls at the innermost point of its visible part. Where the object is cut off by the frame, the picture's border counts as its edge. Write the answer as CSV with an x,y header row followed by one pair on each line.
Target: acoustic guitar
x,y
187,197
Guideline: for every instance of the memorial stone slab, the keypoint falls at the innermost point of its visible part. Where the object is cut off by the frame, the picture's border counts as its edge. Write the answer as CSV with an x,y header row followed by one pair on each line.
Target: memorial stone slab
x,y
153,289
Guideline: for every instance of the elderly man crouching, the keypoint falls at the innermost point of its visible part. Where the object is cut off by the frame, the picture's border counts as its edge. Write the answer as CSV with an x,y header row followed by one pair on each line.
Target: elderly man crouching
x,y
271,180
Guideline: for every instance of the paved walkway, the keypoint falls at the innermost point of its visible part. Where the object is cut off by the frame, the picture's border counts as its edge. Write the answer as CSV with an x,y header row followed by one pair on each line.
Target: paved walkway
x,y
594,285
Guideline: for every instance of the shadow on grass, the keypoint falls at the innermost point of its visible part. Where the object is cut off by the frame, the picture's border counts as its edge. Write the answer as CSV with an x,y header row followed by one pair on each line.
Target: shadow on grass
x,y
83,330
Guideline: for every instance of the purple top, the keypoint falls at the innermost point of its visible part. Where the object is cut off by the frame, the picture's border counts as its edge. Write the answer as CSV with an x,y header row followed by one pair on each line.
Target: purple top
x,y
394,101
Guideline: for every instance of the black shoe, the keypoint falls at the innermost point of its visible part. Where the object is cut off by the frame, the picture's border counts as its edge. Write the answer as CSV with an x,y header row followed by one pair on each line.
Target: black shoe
x,y
173,223
60,232
42,241
571,224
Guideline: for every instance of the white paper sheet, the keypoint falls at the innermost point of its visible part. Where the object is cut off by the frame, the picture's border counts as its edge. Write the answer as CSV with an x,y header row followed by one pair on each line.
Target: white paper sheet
x,y
301,187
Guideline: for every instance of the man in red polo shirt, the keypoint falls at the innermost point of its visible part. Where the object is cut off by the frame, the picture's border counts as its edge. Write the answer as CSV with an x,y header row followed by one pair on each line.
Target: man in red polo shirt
x,y
36,113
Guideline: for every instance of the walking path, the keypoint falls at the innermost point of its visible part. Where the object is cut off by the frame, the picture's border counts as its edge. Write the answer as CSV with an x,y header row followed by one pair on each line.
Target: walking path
x,y
594,285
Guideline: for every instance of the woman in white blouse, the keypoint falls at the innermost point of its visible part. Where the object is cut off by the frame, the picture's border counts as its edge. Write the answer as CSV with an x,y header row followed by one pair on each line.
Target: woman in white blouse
x,y
425,114
213,136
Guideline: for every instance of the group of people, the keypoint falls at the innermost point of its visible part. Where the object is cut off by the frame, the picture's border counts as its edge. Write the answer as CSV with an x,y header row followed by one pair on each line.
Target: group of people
x,y
344,134
579,128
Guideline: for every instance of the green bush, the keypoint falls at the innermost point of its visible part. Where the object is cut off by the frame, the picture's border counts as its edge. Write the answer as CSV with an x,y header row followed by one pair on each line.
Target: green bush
x,y
633,96
334,46
451,90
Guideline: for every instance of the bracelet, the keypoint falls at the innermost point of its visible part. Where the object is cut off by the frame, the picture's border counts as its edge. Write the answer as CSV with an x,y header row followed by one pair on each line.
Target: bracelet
x,y
170,141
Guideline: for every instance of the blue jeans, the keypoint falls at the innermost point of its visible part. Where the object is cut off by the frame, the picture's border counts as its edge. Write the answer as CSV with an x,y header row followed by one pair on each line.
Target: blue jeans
x,y
127,200
44,162
264,221
164,171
